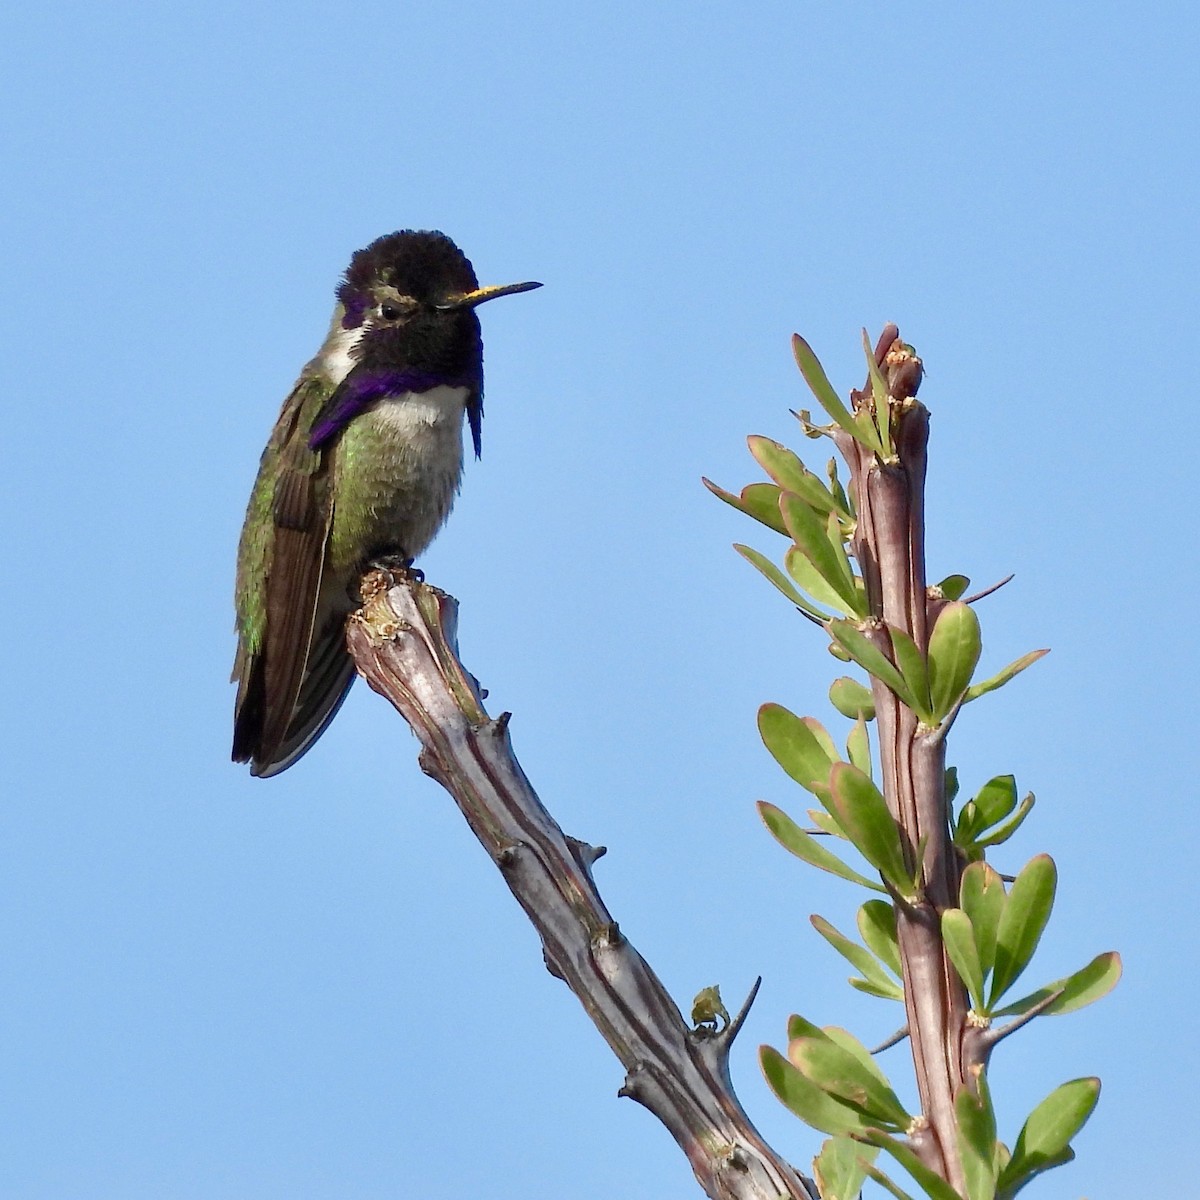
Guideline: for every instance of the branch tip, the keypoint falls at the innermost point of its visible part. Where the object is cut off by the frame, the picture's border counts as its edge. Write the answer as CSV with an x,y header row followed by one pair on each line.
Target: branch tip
x,y
987,591
735,1026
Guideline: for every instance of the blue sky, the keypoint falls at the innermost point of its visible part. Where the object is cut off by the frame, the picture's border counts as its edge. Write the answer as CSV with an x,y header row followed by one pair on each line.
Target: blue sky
x,y
317,986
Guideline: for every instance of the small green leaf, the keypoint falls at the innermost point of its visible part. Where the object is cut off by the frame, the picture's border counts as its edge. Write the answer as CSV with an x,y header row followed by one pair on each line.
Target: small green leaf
x,y
911,664
812,1105
1025,914
856,955
996,799
786,469
835,488
1080,989
867,432
758,500
954,648
881,397
877,925
860,809
780,580
952,587
825,823
976,1142
798,1027
951,784
804,846
827,398
873,660
824,551
708,1008
796,745
1044,1140
889,1185
851,699
935,1186
841,1167
858,747
840,1074
1003,832
800,568
982,897
959,938
1002,677
891,991
844,1038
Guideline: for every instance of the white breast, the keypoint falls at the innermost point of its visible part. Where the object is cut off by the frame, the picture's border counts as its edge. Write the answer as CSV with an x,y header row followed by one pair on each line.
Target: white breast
x,y
415,415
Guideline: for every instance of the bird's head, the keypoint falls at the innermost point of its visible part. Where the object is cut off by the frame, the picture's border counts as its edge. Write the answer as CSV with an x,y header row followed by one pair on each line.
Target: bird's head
x,y
413,295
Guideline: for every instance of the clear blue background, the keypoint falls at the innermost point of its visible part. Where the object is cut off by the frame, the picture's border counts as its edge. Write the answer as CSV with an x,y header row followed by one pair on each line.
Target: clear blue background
x,y
317,986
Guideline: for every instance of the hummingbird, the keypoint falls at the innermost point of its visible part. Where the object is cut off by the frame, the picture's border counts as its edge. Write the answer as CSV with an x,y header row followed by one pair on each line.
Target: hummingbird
x,y
362,466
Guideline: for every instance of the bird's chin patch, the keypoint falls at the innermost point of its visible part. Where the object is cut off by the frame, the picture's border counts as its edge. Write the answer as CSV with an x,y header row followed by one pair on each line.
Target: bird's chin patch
x,y
339,358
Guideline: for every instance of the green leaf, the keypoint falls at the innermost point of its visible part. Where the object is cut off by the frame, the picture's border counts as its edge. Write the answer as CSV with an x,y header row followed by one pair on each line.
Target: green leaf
x,y
935,1186
889,1185
860,809
1025,914
977,1139
1044,1140
873,660
976,1142
982,898
911,664
812,1105
851,699
951,784
959,938
837,539
786,469
800,746
824,822
840,1074
858,747
791,837
881,396
848,1042
841,1167
798,1027
759,500
781,581
954,648
800,568
877,925
708,1008
835,488
1080,989
827,398
856,955
1003,832
996,799
891,991
823,551
953,587
1002,677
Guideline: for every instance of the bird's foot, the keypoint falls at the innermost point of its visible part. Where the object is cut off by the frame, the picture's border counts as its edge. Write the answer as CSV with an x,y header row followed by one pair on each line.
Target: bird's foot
x,y
396,566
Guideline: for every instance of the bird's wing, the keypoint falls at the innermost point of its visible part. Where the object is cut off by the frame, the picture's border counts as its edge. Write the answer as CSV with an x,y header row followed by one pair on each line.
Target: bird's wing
x,y
280,565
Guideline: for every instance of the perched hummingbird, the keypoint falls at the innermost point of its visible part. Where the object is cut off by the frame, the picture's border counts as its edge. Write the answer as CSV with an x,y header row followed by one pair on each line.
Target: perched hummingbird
x,y
363,463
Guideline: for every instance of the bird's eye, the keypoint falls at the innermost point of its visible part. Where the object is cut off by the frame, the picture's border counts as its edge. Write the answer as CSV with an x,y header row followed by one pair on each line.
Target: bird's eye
x,y
389,312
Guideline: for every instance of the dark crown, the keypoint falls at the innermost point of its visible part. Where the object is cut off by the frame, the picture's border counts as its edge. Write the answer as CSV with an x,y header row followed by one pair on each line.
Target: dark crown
x,y
421,263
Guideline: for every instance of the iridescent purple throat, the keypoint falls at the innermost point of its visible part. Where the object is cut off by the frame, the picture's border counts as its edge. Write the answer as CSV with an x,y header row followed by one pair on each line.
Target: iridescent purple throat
x,y
362,388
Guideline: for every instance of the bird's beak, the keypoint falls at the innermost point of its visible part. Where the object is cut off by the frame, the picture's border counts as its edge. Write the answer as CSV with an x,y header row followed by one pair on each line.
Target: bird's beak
x,y
483,294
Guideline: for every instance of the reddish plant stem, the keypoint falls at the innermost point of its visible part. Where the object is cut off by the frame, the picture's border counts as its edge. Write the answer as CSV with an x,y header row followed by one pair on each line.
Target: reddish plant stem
x,y
889,546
